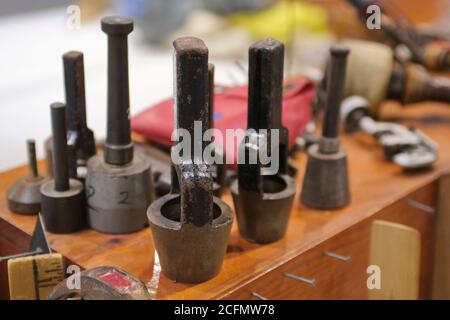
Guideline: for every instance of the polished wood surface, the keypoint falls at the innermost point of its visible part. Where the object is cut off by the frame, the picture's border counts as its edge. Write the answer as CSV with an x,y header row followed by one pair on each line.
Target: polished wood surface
x,y
375,185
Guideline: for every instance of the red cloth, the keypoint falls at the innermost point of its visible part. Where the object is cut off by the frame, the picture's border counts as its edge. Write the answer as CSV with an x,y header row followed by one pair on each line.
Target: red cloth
x,y
230,112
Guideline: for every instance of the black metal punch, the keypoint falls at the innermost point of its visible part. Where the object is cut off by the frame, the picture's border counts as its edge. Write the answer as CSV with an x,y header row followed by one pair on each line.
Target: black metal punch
x,y
119,185
63,200
262,199
325,184
190,226
80,138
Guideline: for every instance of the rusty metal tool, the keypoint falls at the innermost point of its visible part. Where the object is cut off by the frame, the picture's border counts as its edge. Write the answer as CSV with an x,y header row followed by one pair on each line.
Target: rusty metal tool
x,y
190,226
119,185
24,195
80,138
410,148
101,283
325,184
263,198
63,200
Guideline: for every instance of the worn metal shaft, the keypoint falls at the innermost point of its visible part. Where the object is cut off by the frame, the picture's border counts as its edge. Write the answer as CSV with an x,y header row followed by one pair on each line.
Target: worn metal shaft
x,y
265,84
80,138
265,74
60,149
191,89
32,162
75,91
118,146
211,95
191,105
335,90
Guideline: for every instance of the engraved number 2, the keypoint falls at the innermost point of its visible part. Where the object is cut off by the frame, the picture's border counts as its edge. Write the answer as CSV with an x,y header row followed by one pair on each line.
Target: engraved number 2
x,y
124,199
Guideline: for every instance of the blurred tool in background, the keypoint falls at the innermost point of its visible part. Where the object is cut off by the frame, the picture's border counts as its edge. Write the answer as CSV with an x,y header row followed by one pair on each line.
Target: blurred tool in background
x,y
427,48
409,148
161,17
228,27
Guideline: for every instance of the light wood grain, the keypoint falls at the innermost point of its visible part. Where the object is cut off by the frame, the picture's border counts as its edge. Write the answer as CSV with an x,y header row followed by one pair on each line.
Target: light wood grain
x,y
395,249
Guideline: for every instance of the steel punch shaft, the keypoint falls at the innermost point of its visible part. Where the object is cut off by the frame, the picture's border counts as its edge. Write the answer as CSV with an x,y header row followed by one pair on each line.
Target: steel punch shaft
x,y
325,184
119,186
63,202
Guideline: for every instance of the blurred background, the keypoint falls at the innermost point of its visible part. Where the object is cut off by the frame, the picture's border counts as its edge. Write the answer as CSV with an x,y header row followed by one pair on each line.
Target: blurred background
x,y
35,34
